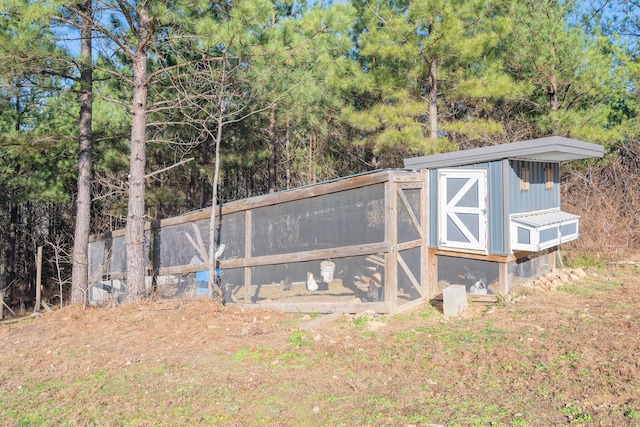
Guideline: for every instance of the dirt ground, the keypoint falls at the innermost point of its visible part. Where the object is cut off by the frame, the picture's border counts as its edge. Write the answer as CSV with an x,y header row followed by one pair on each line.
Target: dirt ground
x,y
548,357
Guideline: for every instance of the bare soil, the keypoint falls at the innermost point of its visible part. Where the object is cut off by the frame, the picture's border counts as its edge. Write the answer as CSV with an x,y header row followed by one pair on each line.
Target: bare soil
x,y
549,357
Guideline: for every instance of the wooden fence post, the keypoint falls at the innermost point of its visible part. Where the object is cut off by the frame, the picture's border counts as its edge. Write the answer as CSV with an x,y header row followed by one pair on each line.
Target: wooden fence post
x,y
38,279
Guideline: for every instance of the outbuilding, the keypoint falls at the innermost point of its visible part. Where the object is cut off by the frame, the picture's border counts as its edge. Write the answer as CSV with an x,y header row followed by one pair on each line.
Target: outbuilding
x,y
385,241
495,211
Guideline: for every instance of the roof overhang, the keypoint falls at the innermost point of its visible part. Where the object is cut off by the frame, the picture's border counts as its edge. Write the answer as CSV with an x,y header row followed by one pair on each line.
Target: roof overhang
x,y
550,149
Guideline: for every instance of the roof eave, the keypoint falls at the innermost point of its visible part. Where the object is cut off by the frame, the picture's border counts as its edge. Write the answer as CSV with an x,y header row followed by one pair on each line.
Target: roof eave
x,y
550,149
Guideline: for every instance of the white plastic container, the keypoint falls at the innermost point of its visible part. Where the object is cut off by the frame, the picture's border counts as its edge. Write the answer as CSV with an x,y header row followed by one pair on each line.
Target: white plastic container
x,y
327,269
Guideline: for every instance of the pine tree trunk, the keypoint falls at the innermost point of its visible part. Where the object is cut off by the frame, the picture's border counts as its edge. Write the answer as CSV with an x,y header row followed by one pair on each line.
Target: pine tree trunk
x,y
214,197
553,90
553,81
13,217
287,149
135,212
11,247
553,102
271,135
309,171
433,100
553,94
80,272
203,161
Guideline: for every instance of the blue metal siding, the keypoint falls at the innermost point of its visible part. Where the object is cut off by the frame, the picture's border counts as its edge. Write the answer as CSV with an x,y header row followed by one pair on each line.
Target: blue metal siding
x,y
496,209
500,207
537,197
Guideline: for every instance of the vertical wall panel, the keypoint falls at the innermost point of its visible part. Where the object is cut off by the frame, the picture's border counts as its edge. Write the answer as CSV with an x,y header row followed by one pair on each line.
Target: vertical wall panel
x,y
538,197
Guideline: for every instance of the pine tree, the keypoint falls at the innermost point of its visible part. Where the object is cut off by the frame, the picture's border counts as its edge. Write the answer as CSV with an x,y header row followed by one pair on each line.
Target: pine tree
x,y
418,58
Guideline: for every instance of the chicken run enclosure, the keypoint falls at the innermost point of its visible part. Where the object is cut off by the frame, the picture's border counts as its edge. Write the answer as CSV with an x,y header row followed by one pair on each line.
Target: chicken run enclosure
x,y
348,245
486,218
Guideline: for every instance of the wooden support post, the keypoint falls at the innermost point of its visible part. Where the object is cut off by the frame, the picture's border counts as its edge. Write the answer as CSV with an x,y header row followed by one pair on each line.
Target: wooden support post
x,y
106,256
427,289
432,275
391,236
154,254
247,253
503,278
555,259
38,279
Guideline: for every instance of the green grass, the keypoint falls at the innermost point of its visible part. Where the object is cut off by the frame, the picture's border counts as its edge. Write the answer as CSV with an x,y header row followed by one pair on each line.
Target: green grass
x,y
584,261
591,287
360,321
405,336
493,369
253,354
575,414
298,339
574,290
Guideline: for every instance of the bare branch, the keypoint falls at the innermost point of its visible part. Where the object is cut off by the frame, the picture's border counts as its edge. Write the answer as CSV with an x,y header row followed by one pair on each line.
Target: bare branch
x,y
149,175
103,30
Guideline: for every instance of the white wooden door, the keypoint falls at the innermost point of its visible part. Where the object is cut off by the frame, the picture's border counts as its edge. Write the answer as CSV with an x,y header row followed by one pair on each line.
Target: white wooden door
x,y
462,209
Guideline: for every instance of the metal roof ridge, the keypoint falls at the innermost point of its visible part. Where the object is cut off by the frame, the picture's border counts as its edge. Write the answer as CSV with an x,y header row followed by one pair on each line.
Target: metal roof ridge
x,y
559,146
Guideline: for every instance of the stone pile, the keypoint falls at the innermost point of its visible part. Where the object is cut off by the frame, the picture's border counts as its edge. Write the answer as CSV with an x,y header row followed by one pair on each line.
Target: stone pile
x,y
550,281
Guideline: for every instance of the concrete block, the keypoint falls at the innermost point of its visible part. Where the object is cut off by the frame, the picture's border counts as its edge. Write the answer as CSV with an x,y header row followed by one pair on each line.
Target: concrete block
x,y
454,298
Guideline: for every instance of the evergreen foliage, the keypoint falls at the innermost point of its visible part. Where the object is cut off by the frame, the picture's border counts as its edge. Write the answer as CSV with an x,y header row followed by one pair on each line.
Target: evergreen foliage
x,y
293,92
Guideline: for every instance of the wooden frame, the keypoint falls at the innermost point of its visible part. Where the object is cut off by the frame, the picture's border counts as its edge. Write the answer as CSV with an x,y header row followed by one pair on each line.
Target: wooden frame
x,y
394,181
503,288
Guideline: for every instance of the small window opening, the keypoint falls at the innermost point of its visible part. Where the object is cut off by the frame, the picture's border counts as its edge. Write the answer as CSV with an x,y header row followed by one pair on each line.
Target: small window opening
x,y
524,179
548,176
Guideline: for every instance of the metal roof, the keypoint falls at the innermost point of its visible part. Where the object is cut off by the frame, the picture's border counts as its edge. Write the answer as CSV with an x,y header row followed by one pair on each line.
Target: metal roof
x,y
549,149
541,219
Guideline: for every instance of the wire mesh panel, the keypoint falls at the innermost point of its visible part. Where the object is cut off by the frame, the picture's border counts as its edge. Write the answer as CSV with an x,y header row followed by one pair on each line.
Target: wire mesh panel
x,y
409,215
107,290
478,276
409,275
527,268
346,218
233,284
231,232
96,259
176,286
277,249
183,244
117,261
106,258
350,279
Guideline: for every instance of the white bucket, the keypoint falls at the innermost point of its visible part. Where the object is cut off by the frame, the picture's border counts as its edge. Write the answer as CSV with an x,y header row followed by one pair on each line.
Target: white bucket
x,y
326,270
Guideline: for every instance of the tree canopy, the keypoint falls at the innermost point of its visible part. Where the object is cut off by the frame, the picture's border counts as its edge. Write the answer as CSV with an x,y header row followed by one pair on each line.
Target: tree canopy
x,y
265,95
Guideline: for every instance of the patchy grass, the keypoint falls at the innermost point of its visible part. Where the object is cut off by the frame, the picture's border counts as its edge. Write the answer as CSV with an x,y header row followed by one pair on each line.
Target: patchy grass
x,y
553,358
